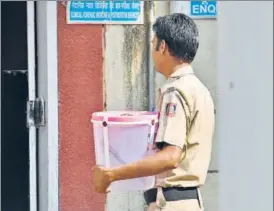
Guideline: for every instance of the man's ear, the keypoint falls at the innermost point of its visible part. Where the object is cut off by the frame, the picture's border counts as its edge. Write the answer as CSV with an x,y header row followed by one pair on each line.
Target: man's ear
x,y
163,47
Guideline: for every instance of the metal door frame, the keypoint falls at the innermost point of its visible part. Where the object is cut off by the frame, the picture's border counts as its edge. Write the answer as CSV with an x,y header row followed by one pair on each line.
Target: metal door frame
x,y
32,96
48,149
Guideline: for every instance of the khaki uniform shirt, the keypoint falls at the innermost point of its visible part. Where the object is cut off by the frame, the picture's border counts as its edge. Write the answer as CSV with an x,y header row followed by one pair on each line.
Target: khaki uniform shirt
x,y
172,130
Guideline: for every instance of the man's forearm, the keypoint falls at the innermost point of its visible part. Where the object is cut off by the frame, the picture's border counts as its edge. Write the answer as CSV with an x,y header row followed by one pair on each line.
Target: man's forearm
x,y
160,162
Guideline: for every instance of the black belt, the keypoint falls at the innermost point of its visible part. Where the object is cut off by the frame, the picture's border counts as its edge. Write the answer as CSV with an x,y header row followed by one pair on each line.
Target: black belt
x,y
172,194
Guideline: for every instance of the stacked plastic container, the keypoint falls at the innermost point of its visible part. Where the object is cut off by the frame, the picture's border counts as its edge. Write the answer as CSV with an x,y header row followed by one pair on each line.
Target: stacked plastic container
x,y
123,137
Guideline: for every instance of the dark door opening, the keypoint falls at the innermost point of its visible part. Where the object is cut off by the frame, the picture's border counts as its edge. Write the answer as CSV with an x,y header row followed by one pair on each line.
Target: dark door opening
x,y
14,95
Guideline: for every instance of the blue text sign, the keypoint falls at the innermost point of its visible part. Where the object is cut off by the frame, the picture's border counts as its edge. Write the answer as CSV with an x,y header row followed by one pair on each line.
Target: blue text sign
x,y
203,9
105,12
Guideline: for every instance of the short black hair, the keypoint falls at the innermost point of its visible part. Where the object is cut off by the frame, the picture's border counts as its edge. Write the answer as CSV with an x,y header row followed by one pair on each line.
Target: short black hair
x,y
180,34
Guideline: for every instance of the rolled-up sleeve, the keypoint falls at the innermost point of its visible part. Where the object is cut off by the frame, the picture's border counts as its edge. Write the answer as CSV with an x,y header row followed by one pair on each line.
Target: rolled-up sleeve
x,y
172,122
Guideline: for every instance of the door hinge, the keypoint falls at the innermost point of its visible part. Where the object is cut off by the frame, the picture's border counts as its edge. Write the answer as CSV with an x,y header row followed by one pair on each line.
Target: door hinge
x,y
36,113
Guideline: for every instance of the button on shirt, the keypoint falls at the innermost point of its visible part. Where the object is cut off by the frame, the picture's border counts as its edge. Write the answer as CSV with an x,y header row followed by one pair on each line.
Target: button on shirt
x,y
172,130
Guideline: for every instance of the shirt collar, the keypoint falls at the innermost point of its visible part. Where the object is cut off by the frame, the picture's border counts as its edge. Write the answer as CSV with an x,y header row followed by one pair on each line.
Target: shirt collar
x,y
182,71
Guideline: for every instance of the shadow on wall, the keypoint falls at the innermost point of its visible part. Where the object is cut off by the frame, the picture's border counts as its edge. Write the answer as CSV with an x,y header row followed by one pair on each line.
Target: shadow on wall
x,y
135,60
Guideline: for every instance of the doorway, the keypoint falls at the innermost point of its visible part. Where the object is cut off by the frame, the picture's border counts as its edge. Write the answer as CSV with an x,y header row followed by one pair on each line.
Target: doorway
x,y
15,154
29,73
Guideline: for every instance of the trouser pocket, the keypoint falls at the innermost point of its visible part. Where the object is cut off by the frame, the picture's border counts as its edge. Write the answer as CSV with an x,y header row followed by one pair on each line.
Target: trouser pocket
x,y
160,200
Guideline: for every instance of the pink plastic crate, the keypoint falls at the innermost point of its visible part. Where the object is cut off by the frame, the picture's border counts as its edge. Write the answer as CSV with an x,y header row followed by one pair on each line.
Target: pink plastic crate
x,y
123,137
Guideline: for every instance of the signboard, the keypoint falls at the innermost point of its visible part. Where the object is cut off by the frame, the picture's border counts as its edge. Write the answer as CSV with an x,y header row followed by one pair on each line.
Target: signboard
x,y
203,9
105,12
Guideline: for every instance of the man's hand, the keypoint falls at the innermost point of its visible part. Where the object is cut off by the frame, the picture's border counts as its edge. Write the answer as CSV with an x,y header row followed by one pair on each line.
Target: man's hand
x,y
101,179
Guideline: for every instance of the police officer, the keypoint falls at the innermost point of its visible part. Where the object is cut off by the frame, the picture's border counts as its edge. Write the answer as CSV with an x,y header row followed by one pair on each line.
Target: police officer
x,y
186,124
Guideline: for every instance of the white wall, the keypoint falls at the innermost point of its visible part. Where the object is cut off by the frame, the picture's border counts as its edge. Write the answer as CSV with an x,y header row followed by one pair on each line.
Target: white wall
x,y
245,79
